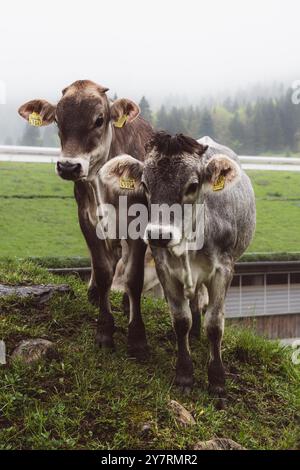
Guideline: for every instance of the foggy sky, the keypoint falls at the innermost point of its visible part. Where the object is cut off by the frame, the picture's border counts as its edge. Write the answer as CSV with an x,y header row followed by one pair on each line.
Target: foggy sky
x,y
156,47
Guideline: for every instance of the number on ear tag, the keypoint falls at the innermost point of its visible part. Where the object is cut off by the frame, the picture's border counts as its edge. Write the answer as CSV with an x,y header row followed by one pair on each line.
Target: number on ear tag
x,y
127,183
219,184
121,121
35,119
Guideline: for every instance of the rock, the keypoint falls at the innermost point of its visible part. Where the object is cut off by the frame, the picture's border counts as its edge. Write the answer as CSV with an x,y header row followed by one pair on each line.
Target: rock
x,y
37,293
146,429
218,444
2,352
181,414
32,350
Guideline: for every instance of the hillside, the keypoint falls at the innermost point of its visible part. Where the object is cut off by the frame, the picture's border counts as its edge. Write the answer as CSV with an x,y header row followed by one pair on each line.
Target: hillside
x,y
86,398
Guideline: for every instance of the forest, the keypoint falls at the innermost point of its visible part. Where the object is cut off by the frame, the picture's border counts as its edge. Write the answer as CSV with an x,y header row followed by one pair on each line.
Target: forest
x,y
251,126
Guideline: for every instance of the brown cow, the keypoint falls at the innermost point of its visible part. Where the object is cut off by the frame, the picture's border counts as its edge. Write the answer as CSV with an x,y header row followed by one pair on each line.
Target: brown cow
x,y
93,130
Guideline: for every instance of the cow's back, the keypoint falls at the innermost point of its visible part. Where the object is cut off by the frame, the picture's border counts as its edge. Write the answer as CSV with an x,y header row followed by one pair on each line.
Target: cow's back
x,y
230,214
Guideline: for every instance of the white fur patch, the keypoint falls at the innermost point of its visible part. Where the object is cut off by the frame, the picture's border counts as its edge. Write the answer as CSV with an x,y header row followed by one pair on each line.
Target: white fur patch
x,y
155,229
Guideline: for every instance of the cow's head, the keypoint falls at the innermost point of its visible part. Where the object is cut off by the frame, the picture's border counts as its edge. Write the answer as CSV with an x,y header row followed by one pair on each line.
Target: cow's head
x,y
175,173
84,117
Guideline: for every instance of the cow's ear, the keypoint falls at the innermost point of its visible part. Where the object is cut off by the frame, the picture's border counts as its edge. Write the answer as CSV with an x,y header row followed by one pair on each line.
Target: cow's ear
x,y
122,176
123,111
38,112
221,172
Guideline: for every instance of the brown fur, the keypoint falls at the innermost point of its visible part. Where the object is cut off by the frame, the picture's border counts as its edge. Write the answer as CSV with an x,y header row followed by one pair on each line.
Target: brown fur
x,y
170,146
84,86
42,107
77,112
131,139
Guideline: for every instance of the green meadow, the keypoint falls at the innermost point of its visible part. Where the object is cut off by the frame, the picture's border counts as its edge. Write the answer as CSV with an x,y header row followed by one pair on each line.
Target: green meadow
x,y
38,214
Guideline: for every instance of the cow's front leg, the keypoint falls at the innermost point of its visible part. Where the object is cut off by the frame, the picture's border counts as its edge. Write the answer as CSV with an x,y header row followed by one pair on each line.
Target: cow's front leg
x,y
214,326
182,323
196,317
198,306
93,291
184,365
134,281
104,276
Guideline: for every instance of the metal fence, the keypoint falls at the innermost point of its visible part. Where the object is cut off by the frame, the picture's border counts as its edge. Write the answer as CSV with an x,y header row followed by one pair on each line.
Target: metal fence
x,y
24,154
266,295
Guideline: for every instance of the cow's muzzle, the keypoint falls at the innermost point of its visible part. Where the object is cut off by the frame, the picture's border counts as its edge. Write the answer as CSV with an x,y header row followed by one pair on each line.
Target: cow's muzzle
x,y
158,235
69,171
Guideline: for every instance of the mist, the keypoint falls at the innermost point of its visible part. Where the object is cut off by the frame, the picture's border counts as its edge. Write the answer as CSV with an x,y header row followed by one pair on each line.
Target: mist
x,y
175,53
154,48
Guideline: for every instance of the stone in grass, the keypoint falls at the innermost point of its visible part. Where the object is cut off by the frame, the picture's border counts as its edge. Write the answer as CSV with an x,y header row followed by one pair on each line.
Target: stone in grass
x,y
146,429
38,294
181,414
32,350
218,444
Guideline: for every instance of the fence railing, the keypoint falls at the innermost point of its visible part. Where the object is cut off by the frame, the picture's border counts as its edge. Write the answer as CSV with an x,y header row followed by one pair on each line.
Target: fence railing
x,y
23,154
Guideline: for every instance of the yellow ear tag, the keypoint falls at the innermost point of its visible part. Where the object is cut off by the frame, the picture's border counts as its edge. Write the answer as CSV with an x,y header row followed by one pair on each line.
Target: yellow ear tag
x,y
219,184
35,119
121,121
127,183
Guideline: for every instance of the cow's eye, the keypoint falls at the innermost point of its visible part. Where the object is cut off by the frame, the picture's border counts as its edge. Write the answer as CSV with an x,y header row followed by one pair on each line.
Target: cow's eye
x,y
191,189
99,122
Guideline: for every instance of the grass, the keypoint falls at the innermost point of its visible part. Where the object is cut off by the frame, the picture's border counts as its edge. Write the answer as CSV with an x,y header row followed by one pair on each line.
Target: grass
x,y
38,214
91,399
278,211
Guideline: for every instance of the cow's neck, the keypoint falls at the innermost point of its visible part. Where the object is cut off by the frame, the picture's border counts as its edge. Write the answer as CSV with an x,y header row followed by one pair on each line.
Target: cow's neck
x,y
95,185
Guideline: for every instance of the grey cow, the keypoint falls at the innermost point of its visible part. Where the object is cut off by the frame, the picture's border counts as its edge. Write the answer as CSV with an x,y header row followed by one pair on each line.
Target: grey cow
x,y
179,170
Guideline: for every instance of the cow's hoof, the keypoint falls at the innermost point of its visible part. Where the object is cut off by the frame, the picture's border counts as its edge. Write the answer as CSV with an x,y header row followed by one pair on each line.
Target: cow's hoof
x,y
184,390
221,404
140,351
137,346
184,383
93,295
105,342
184,377
219,393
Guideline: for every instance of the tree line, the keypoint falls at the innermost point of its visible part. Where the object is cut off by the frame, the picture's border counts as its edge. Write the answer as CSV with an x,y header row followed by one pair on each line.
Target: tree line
x,y
253,127
249,126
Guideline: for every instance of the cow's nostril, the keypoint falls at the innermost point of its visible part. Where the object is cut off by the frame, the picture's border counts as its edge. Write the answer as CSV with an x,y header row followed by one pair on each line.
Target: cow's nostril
x,y
67,167
77,167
